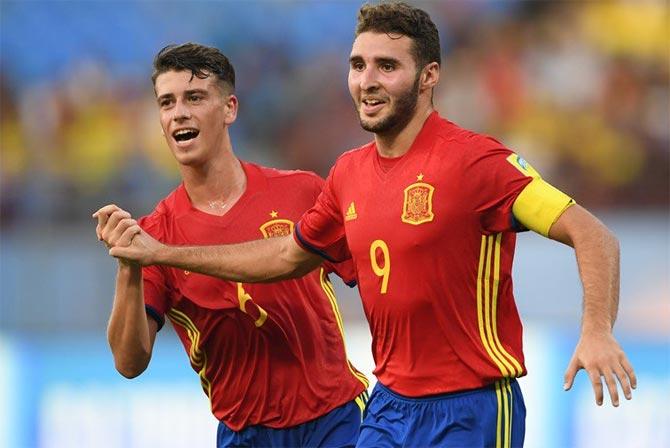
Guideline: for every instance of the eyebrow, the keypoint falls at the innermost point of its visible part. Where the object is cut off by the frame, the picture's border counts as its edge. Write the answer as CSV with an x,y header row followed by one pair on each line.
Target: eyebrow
x,y
186,92
378,60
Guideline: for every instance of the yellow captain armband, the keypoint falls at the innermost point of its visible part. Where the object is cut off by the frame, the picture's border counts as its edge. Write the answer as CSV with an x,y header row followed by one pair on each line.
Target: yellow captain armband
x,y
539,206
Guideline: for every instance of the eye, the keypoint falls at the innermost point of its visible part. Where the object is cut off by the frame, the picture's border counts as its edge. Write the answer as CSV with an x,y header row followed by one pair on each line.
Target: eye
x,y
357,66
195,98
387,67
165,102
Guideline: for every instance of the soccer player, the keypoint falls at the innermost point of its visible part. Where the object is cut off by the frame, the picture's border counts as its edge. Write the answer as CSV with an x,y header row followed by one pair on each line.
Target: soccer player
x,y
270,357
428,212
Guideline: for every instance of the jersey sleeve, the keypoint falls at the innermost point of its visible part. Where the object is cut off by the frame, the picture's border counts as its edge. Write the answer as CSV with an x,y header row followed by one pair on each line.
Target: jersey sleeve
x,y
344,270
156,297
512,194
321,228
539,205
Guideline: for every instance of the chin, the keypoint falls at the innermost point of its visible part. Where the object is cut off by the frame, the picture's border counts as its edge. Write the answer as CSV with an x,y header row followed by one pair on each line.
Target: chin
x,y
186,158
376,125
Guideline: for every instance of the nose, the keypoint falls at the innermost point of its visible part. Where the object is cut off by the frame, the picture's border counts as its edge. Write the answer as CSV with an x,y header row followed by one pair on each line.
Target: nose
x,y
368,79
181,111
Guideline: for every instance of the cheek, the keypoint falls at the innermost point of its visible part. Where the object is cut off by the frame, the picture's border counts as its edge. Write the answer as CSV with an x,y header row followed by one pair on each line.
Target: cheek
x,y
353,83
165,121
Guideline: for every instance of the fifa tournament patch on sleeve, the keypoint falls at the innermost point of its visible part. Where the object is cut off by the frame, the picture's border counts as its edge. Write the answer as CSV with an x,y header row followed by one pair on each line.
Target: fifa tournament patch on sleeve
x,y
520,164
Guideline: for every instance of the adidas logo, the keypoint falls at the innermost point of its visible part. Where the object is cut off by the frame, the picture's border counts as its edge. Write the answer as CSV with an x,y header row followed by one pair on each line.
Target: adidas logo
x,y
351,213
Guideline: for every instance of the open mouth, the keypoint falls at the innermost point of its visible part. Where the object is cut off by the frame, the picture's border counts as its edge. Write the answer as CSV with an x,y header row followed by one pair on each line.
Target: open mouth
x,y
372,102
184,135
371,106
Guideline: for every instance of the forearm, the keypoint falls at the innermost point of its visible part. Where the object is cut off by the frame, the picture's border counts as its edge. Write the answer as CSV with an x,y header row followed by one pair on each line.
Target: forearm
x,y
597,352
598,261
597,253
128,330
251,262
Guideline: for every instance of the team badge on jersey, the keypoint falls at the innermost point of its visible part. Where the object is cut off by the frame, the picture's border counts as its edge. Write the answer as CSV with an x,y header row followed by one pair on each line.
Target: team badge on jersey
x,y
417,207
276,227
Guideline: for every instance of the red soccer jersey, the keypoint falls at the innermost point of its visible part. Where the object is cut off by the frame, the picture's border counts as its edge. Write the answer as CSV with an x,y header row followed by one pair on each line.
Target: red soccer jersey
x,y
432,238
266,354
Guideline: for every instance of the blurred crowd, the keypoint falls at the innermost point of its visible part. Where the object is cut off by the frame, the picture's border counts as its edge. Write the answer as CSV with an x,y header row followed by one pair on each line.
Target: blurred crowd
x,y
580,89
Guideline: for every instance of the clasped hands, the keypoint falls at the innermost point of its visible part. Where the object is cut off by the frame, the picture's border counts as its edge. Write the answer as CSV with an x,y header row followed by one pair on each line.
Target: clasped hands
x,y
123,236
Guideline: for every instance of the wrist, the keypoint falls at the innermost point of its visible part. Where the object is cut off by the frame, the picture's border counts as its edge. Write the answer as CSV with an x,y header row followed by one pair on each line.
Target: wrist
x,y
596,328
162,255
129,268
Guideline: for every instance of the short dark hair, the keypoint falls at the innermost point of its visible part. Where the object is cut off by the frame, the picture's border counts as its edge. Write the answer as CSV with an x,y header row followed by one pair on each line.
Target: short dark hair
x,y
401,18
201,60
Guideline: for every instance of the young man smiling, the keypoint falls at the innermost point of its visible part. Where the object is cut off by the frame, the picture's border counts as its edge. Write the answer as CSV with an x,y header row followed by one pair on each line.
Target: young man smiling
x,y
270,357
429,213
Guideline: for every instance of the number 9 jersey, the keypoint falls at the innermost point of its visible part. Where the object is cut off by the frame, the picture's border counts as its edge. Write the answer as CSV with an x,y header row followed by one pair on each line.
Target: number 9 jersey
x,y
432,237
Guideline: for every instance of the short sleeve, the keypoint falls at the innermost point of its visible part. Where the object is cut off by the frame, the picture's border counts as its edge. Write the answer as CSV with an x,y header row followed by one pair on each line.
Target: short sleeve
x,y
499,177
514,195
540,205
345,270
321,228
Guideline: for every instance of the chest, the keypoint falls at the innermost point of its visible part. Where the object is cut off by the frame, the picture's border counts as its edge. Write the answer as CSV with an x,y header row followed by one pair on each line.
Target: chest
x,y
418,204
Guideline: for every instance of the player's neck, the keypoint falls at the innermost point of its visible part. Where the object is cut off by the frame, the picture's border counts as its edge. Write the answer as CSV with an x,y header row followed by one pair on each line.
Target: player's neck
x,y
396,144
216,186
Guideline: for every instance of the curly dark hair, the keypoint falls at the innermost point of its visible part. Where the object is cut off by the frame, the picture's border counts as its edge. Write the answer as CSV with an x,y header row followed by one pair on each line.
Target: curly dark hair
x,y
201,60
401,18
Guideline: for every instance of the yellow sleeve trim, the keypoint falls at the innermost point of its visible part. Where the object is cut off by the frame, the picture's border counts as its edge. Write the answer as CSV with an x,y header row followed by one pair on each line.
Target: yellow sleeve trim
x,y
539,205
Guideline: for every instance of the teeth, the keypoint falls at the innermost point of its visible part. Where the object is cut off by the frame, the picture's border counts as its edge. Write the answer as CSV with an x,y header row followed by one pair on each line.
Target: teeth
x,y
185,134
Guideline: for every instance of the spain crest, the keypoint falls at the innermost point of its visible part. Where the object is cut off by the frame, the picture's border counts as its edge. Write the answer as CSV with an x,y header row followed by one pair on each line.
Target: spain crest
x,y
276,227
417,207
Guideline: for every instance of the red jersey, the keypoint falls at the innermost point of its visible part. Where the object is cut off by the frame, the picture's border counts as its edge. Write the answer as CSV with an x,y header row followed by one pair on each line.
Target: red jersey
x,y
432,238
266,354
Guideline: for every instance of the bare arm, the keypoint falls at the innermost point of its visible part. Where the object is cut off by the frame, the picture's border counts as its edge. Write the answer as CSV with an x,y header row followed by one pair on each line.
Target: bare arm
x,y
597,252
130,332
252,262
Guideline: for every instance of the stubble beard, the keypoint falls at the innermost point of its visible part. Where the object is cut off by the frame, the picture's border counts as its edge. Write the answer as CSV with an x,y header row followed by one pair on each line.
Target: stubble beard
x,y
402,113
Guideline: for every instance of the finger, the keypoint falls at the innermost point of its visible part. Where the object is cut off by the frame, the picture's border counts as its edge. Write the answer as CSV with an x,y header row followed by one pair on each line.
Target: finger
x,y
624,381
611,387
112,222
597,386
569,376
106,210
123,252
629,371
116,233
103,216
102,222
128,235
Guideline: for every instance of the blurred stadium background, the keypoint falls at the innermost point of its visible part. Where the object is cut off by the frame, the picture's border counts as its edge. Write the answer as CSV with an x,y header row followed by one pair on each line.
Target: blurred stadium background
x,y
580,89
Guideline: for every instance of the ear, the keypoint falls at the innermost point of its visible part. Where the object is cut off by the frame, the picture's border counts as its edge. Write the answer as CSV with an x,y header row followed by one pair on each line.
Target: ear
x,y
231,106
430,76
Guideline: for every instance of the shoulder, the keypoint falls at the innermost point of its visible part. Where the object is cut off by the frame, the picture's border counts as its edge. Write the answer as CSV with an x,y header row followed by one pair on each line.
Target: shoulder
x,y
470,145
288,178
353,158
155,222
356,153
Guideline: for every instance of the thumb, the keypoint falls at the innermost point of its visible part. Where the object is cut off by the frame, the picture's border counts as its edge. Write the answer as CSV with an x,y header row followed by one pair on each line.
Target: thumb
x,y
118,252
